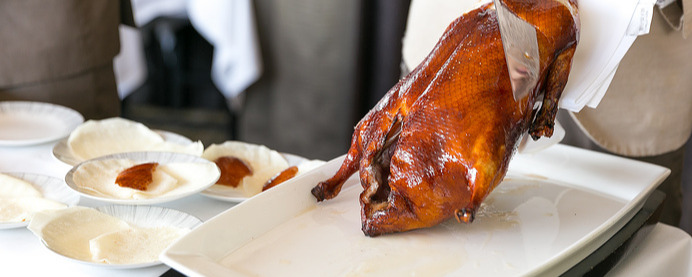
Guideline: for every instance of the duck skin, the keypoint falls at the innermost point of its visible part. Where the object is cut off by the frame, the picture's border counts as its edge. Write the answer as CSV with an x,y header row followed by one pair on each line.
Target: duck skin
x,y
441,139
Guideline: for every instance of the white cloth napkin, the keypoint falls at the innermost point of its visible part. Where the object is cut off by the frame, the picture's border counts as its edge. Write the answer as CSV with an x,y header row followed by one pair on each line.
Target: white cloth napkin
x,y
129,65
608,29
230,27
666,251
145,11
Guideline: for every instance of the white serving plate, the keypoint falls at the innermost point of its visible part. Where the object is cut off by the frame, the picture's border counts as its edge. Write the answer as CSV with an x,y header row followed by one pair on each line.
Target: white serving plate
x,y
140,216
62,152
50,187
28,123
236,196
144,157
553,209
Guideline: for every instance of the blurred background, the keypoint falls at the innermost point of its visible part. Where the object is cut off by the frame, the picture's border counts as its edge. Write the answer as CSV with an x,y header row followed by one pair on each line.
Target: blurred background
x,y
323,65
295,75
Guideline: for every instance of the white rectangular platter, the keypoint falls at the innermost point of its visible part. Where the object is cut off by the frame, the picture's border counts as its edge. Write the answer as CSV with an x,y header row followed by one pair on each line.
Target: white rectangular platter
x,y
553,209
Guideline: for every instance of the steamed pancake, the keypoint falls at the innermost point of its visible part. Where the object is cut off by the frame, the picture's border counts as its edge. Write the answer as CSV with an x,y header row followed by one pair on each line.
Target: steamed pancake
x,y
263,162
98,178
89,235
96,138
19,200
23,208
134,245
15,187
68,231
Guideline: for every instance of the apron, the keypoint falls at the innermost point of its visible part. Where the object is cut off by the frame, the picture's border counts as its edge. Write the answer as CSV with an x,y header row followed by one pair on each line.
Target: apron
x,y
62,52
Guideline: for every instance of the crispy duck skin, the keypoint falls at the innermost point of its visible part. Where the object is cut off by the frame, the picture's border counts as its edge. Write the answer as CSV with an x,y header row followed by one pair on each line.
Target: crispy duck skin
x,y
137,177
441,139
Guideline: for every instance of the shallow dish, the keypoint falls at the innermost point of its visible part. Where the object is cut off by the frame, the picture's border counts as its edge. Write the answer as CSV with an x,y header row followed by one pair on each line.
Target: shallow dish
x,y
144,157
52,188
237,196
141,216
553,209
62,152
28,123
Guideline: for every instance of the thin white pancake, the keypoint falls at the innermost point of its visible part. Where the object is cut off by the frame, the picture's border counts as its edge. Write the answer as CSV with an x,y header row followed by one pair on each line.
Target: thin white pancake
x,y
133,246
89,235
15,187
264,162
19,200
22,209
68,231
96,138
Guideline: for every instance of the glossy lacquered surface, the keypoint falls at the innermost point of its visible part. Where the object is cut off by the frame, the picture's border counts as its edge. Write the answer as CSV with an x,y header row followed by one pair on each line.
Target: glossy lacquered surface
x,y
441,139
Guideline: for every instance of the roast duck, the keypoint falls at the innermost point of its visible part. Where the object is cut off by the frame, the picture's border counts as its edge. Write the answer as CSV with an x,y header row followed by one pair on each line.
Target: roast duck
x,y
441,139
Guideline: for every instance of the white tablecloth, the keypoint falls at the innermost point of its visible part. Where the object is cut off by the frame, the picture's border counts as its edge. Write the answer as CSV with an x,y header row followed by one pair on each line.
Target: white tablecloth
x,y
667,251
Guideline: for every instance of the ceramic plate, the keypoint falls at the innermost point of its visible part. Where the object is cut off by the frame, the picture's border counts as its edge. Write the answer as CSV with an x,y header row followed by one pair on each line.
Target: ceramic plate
x,y
553,209
52,188
27,123
141,216
62,152
237,196
197,185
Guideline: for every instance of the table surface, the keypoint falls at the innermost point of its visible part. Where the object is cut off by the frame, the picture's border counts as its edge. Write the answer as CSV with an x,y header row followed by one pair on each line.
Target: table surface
x,y
666,251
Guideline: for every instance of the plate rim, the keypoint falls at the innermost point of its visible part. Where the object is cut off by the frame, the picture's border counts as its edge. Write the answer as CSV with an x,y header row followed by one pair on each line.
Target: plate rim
x,y
70,117
140,156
